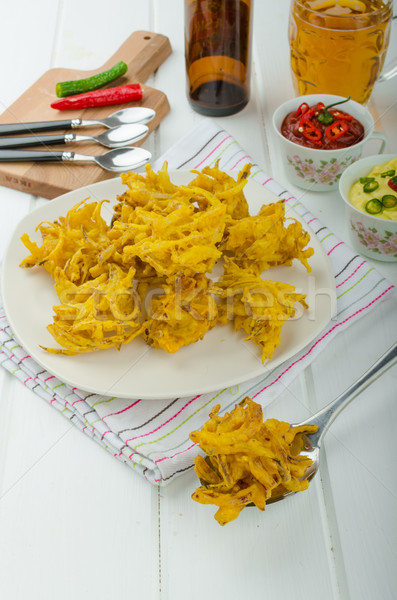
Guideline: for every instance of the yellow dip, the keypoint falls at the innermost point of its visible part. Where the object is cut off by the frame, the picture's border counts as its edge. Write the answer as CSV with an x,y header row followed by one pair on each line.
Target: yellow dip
x,y
359,198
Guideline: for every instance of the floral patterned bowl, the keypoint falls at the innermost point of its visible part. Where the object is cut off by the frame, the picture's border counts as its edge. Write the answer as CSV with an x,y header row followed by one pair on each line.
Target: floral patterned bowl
x,y
371,236
320,170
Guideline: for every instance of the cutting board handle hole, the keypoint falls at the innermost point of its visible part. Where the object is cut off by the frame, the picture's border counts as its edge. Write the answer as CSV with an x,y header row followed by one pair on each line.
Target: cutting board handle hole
x,y
147,37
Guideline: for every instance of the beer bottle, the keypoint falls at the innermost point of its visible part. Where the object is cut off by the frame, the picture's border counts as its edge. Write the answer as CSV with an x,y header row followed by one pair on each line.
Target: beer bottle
x,y
218,55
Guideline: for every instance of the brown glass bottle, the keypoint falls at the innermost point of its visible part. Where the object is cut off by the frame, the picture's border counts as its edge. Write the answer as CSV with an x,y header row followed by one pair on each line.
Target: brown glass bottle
x,y
218,55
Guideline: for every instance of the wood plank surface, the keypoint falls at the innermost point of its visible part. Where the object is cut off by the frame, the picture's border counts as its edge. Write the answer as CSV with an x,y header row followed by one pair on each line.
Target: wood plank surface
x,y
144,52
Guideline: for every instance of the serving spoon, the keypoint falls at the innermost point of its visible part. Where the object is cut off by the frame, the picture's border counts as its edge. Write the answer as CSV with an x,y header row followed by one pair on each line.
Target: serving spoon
x,y
326,416
137,114
118,160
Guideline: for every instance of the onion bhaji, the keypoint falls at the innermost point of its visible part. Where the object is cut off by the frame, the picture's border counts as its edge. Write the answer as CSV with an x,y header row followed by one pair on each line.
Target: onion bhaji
x,y
98,314
168,237
248,461
258,306
263,241
181,315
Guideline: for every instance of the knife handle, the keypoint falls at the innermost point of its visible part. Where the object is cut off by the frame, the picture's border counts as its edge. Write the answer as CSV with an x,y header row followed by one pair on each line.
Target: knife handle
x,y
30,155
26,141
37,126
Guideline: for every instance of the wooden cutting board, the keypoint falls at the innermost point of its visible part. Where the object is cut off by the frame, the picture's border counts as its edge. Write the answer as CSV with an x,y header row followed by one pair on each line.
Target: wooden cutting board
x,y
143,52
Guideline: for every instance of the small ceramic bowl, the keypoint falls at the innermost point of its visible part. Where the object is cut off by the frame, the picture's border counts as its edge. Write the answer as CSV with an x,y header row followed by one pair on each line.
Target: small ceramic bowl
x,y
320,170
370,235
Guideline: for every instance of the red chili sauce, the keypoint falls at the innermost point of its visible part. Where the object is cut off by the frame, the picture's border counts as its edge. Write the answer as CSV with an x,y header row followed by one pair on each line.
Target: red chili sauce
x,y
303,127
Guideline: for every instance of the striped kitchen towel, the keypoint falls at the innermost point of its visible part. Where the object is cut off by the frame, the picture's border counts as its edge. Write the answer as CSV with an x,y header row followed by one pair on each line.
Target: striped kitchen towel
x,y
152,437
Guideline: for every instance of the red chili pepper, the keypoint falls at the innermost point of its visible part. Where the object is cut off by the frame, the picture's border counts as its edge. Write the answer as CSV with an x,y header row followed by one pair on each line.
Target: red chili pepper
x,y
392,183
102,97
302,109
310,113
308,130
334,131
320,106
341,115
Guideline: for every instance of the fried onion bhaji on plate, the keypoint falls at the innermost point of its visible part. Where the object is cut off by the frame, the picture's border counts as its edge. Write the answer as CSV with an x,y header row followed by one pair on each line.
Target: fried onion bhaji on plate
x,y
150,271
248,460
258,306
263,241
182,315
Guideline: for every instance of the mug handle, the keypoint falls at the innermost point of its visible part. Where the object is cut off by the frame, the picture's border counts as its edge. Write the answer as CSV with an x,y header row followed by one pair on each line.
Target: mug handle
x,y
378,135
389,74
390,69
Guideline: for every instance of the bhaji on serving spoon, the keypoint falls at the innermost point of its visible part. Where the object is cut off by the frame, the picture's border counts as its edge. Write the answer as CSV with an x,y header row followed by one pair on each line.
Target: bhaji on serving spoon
x,y
249,462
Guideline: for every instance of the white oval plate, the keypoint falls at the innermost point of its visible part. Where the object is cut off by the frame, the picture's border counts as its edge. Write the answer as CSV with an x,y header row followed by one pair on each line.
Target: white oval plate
x,y
220,360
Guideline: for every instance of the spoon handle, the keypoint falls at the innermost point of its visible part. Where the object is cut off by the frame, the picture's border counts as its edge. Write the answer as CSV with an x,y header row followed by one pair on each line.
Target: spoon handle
x,y
324,417
37,126
27,141
31,155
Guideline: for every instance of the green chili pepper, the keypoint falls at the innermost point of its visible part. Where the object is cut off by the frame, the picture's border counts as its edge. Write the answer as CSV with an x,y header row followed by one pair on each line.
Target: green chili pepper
x,y
80,86
366,179
370,186
374,206
388,173
326,117
389,201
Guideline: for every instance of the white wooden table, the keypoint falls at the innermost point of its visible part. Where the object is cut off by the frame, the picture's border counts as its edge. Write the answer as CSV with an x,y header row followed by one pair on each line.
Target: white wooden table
x,y
75,523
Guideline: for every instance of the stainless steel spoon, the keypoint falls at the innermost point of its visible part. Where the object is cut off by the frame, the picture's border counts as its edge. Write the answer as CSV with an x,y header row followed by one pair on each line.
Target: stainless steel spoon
x,y
137,114
118,160
116,137
326,416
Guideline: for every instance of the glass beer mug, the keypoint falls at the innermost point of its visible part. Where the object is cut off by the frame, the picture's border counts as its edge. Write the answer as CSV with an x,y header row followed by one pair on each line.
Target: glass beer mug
x,y
339,46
